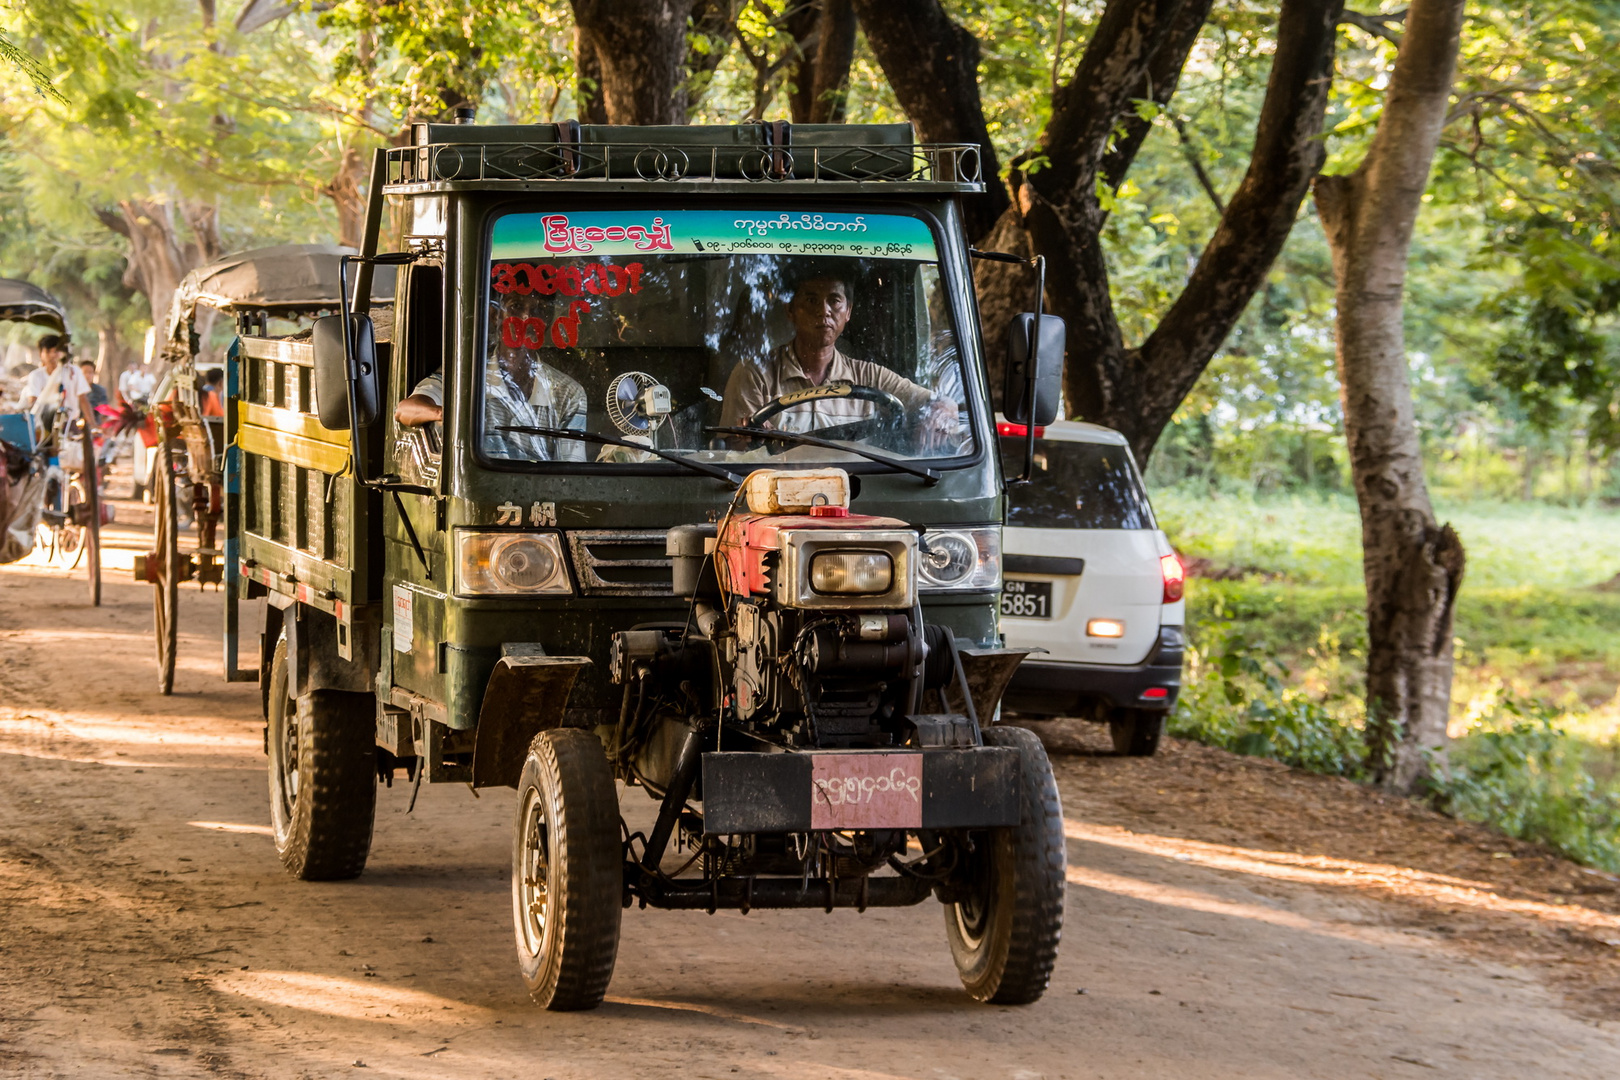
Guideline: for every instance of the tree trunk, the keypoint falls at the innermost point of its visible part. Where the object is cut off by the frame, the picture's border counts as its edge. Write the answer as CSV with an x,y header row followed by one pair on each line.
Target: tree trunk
x,y
932,64
642,49
347,196
821,78
157,260
588,80
1413,565
1137,52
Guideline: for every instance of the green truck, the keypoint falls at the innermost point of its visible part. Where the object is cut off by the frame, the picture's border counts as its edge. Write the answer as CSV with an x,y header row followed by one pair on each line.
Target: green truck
x,y
673,467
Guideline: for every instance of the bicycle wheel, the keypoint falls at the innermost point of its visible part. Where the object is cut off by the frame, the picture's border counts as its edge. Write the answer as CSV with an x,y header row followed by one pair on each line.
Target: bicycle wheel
x,y
90,492
165,568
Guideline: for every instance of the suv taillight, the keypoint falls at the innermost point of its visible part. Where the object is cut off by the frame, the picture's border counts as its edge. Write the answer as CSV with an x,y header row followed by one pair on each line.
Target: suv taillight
x,y
1175,578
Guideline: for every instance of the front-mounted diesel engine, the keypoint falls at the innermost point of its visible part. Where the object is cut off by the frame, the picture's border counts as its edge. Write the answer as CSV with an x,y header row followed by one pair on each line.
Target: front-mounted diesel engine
x,y
816,742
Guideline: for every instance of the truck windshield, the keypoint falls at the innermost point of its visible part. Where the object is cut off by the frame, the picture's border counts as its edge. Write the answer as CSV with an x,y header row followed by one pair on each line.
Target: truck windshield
x,y
657,325
1075,485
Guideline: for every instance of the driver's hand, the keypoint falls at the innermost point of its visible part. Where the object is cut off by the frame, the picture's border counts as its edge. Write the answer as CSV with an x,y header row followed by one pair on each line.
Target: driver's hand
x,y
940,422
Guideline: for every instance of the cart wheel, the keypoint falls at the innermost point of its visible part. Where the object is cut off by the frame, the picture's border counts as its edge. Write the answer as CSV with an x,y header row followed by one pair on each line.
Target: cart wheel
x,y
166,572
91,494
323,777
567,871
1004,934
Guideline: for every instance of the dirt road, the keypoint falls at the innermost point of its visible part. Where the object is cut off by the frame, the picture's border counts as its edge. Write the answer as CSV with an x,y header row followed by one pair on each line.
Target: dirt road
x,y
147,930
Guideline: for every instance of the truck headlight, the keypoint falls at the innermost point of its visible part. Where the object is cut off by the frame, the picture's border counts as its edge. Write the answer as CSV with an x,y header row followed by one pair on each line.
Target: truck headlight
x,y
856,569
509,564
862,572
960,560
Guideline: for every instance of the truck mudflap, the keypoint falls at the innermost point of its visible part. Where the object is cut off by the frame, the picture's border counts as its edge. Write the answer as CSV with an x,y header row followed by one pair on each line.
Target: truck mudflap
x,y
526,695
937,788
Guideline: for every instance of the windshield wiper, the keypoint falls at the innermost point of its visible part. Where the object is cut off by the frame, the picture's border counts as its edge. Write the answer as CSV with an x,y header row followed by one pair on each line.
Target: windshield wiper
x,y
610,440
801,439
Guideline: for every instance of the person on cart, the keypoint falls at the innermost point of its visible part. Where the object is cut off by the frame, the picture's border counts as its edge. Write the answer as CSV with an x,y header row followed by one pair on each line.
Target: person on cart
x,y
98,393
135,386
56,384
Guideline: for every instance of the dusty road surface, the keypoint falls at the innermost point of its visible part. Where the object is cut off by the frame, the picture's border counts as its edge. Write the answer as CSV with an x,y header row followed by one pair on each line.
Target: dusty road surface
x,y
1225,919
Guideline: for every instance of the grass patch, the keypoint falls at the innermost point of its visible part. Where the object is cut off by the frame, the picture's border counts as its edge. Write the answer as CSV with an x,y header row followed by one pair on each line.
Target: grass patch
x,y
1277,657
1316,539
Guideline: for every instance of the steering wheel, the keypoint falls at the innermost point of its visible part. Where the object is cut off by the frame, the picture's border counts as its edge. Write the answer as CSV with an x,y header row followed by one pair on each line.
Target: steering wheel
x,y
889,407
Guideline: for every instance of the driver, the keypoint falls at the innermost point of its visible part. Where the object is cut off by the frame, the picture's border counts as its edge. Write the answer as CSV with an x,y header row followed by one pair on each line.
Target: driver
x,y
820,310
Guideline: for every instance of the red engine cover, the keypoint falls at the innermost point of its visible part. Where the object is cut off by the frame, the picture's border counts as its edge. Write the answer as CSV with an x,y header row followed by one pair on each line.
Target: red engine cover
x,y
748,538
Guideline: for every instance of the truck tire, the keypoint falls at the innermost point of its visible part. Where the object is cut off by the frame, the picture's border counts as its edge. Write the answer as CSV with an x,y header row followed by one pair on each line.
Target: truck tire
x,y
1136,731
567,871
1004,940
323,777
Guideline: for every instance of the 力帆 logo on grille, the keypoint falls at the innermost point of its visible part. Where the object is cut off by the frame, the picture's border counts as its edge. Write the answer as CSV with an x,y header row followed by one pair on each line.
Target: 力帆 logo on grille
x,y
842,790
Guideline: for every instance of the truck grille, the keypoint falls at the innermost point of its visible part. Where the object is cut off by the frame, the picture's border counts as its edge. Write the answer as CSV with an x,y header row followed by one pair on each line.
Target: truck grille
x,y
621,562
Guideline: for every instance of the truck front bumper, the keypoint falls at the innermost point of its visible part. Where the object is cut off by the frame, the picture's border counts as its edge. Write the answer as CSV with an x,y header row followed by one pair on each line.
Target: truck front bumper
x,y
802,791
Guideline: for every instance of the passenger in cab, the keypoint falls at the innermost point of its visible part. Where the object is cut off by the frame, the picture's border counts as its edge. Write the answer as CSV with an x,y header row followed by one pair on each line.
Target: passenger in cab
x,y
520,390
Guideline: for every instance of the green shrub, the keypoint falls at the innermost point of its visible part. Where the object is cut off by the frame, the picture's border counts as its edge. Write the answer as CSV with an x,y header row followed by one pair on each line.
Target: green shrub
x,y
1237,694
1519,769
1523,773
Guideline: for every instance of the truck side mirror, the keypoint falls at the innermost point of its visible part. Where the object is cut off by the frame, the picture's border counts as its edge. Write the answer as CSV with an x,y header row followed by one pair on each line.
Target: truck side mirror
x,y
1044,377
332,385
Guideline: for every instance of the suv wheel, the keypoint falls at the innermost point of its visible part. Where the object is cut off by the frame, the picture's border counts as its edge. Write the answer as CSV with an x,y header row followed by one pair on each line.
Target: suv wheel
x,y
1136,732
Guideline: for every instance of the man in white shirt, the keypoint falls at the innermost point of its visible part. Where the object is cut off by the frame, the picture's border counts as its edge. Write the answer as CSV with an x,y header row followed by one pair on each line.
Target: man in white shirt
x,y
56,384
136,385
519,390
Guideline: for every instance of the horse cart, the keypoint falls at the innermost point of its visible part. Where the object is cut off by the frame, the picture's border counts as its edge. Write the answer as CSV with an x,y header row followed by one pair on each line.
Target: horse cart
x,y
48,482
279,290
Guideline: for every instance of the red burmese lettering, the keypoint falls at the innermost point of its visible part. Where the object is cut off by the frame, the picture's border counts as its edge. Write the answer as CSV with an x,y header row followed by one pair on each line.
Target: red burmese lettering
x,y
534,333
512,331
565,330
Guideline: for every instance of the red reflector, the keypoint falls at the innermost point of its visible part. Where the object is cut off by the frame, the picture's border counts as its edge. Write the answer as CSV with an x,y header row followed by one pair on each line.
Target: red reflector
x,y
1004,428
1175,577
1155,693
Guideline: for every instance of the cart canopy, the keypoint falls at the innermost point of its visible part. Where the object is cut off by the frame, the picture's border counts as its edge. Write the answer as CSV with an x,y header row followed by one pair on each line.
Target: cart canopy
x,y
22,302
289,280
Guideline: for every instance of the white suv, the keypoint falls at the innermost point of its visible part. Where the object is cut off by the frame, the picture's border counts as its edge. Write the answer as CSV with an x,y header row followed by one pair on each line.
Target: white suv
x,y
1091,579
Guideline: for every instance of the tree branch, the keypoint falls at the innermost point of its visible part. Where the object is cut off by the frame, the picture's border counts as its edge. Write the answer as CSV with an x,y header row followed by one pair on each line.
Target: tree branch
x,y
1163,75
1376,25
932,64
1288,153
1190,152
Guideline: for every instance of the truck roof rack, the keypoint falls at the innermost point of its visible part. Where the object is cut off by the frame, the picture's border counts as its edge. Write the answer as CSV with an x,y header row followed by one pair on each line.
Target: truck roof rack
x,y
850,157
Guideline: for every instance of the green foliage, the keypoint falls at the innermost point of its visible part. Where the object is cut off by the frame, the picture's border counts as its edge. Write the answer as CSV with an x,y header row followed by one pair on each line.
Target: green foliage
x,y
1522,772
1241,696
1522,767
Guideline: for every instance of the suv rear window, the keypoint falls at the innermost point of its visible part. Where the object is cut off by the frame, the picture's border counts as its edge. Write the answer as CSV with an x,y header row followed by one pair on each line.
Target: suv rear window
x,y
1075,485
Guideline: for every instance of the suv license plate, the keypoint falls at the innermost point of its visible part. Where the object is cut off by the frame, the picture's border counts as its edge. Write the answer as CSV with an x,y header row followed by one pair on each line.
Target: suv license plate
x,y
1026,599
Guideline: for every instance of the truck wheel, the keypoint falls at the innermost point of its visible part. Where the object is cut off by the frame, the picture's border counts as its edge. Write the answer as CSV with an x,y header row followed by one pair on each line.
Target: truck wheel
x,y
1135,731
567,871
323,777
1004,936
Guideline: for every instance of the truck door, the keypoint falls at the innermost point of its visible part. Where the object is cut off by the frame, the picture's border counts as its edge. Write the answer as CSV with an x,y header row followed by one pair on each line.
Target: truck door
x,y
415,564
